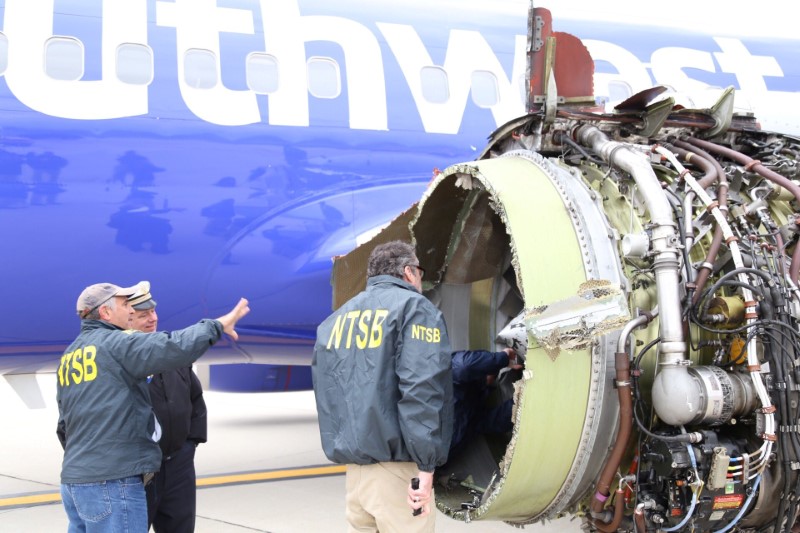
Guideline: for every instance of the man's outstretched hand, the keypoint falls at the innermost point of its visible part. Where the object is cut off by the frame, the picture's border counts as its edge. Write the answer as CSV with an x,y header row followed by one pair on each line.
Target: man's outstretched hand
x,y
230,319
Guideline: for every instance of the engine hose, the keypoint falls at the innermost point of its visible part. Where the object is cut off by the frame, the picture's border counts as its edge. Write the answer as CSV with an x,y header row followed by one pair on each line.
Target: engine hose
x,y
622,366
619,508
639,520
761,170
722,196
623,434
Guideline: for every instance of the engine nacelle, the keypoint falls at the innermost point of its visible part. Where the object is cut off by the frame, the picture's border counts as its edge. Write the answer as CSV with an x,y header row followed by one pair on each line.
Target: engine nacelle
x,y
651,256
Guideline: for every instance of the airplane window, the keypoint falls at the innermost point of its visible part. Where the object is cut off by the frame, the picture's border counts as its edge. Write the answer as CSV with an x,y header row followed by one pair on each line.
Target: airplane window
x,y
3,53
134,64
435,87
323,77
484,88
200,68
63,58
262,73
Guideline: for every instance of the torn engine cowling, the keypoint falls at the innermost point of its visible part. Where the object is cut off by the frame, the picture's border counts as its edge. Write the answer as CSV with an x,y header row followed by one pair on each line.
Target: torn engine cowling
x,y
656,276
674,256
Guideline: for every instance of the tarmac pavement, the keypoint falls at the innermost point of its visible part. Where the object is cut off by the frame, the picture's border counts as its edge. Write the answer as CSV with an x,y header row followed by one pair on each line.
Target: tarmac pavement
x,y
260,448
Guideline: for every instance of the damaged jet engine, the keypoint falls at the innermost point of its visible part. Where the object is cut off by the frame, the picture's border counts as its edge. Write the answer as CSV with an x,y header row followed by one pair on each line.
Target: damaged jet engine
x,y
652,255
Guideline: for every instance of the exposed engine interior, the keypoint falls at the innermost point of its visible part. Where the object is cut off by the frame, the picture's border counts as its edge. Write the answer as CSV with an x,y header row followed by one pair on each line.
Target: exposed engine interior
x,y
651,256
706,374
657,280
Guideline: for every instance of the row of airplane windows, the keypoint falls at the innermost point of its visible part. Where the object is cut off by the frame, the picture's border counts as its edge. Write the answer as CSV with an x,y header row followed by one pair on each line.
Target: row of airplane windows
x,y
64,60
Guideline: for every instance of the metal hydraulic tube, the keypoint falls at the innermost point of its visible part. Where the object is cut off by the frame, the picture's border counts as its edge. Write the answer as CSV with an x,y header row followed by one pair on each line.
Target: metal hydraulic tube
x,y
622,366
704,271
756,166
707,380
673,382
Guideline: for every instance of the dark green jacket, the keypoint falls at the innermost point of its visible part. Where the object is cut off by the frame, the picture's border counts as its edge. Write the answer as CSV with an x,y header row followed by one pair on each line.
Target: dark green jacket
x,y
382,379
105,419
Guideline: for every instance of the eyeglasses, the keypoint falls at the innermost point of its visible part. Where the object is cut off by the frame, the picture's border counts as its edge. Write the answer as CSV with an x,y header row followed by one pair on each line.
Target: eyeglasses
x,y
421,270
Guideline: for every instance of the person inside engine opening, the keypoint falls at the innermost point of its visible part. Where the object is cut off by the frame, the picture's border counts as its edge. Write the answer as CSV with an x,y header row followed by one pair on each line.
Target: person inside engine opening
x,y
474,375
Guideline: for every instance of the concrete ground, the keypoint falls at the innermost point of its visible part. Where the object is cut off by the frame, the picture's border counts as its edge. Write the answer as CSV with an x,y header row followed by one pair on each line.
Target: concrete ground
x,y
258,444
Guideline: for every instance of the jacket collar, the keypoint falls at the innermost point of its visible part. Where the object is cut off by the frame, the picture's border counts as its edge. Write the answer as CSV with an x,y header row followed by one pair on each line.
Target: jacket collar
x,y
385,279
90,324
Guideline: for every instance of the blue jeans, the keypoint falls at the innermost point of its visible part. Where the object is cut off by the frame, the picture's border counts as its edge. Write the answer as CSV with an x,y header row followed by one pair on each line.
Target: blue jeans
x,y
113,506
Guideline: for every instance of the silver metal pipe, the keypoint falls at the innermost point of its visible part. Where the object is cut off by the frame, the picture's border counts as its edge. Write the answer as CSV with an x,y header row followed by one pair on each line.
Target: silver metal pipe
x,y
663,240
632,324
676,393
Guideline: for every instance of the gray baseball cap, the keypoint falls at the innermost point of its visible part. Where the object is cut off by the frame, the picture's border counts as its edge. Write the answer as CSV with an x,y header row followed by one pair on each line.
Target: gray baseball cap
x,y
96,295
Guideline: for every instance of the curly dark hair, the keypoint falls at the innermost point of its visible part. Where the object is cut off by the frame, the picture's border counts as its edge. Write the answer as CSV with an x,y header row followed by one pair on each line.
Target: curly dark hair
x,y
391,258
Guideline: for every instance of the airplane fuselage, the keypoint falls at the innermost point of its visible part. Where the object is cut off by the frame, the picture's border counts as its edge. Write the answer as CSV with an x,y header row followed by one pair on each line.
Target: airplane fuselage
x,y
221,151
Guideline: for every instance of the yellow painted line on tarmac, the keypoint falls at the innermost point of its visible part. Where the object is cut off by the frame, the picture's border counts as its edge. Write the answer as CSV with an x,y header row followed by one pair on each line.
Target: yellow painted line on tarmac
x,y
29,500
45,498
252,477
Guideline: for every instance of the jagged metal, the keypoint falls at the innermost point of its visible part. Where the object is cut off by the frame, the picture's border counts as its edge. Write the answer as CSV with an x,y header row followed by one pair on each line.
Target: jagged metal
x,y
602,284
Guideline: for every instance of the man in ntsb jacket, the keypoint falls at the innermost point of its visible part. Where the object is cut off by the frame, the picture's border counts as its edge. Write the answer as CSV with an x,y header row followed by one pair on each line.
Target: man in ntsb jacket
x,y
106,424
177,399
384,392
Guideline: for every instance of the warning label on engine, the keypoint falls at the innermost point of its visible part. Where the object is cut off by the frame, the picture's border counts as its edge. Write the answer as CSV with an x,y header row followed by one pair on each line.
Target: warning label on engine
x,y
728,501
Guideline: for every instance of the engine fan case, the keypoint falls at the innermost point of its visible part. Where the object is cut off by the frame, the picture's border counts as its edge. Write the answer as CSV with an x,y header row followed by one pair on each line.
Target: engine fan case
x,y
566,263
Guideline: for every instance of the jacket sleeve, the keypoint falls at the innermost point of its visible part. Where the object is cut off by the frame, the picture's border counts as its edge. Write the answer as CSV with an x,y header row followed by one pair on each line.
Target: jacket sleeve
x,y
425,379
198,427
469,366
143,354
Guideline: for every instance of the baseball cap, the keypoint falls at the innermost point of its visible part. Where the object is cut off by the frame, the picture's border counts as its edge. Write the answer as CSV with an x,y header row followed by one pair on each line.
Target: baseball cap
x,y
96,295
142,300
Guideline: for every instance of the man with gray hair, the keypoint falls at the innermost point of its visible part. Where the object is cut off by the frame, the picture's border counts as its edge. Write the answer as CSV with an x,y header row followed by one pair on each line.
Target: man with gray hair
x,y
384,392
105,421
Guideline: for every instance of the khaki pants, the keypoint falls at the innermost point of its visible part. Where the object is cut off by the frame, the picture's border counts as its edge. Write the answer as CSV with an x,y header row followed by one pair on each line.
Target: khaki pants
x,y
376,499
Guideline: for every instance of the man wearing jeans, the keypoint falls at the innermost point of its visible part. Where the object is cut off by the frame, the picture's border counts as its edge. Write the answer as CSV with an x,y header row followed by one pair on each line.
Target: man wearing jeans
x,y
105,421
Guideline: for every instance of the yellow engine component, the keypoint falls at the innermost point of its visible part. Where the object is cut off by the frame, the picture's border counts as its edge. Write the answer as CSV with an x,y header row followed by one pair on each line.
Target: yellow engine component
x,y
730,307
